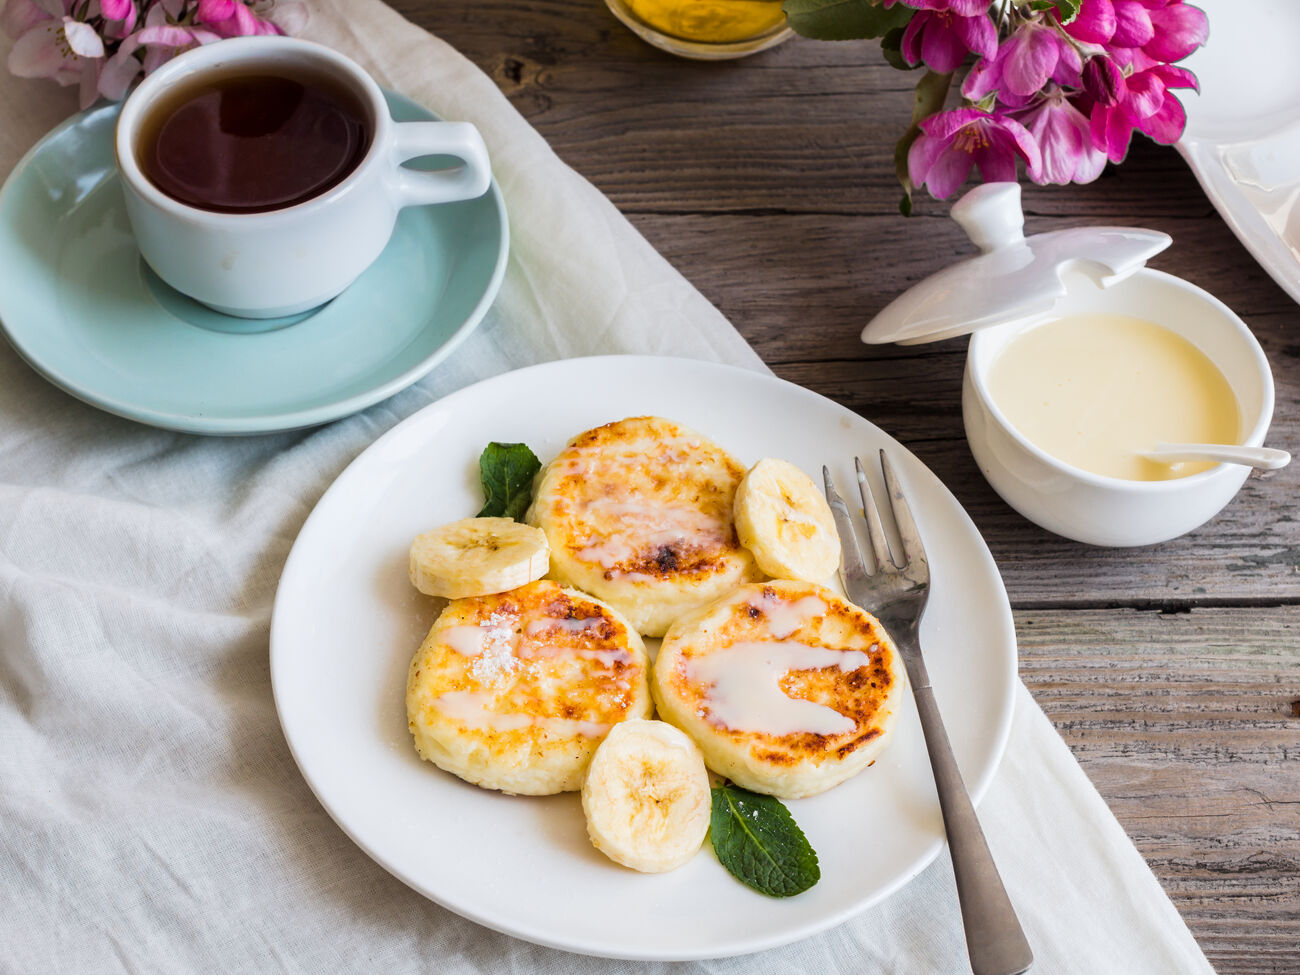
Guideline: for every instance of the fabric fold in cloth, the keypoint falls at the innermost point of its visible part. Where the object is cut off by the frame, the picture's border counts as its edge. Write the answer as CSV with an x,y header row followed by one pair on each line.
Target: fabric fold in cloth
x,y
151,816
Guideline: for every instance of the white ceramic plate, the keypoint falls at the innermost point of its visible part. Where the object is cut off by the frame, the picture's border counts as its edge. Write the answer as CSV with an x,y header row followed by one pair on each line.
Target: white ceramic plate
x,y
347,621
1243,130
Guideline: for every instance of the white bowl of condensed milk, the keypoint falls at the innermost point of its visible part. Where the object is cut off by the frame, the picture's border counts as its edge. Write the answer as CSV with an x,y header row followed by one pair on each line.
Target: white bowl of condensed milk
x,y
1080,358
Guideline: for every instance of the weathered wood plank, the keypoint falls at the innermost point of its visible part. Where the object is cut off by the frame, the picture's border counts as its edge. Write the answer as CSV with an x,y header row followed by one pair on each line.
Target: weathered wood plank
x,y
1199,758
805,127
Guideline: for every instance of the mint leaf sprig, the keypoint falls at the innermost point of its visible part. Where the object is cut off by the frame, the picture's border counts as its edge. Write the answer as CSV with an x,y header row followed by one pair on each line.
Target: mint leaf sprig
x,y
760,844
506,471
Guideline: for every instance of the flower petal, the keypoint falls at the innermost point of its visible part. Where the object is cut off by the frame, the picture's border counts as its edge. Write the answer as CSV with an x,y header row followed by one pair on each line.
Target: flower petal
x,y
948,173
1095,23
944,125
36,54
20,16
1111,131
245,20
1175,77
1132,24
1145,93
1059,138
212,11
910,46
982,78
1179,30
1031,59
123,26
941,48
922,155
119,71
83,39
1068,67
997,168
1014,137
165,35
117,9
1166,126
977,33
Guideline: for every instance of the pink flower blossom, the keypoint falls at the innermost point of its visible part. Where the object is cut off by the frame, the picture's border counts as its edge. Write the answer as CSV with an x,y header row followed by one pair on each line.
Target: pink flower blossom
x,y
105,45
1064,141
1164,30
51,47
951,143
1143,103
943,38
1024,63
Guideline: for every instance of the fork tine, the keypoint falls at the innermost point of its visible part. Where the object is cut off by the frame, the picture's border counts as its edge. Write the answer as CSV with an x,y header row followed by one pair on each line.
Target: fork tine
x,y
875,529
852,562
913,550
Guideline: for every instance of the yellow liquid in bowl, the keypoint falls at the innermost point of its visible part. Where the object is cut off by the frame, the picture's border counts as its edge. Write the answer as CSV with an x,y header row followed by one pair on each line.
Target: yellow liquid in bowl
x,y
709,21
1092,390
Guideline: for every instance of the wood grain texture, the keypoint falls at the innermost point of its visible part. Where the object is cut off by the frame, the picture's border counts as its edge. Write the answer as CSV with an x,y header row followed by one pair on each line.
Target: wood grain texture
x,y
1172,670
1198,756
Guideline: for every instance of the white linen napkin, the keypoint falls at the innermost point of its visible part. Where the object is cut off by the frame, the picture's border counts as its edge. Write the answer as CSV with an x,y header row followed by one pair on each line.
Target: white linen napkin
x,y
151,817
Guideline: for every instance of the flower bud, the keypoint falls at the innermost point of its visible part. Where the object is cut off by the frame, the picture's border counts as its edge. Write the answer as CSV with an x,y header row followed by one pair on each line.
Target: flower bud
x,y
1103,80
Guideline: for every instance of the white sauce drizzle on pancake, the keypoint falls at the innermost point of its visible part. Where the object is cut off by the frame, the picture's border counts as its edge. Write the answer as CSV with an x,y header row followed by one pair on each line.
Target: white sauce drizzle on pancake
x,y
784,617
744,690
645,528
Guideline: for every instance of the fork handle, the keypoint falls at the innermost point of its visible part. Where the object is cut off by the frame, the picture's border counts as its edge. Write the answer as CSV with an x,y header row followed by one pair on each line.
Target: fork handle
x,y
994,939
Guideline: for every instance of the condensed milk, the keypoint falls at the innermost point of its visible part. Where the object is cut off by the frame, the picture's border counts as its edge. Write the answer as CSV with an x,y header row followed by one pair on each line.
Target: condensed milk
x,y
1094,390
1081,357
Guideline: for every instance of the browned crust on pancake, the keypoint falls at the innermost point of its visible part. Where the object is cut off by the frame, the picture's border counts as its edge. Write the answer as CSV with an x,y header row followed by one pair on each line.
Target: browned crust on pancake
x,y
696,558
533,679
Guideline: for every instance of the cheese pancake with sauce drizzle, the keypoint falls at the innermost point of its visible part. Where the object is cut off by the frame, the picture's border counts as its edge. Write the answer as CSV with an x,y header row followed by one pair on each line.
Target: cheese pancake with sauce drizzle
x,y
787,688
514,691
639,513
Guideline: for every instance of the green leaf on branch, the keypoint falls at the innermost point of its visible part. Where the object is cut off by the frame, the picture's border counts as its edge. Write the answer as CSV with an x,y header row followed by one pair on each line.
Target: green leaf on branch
x,y
506,471
931,93
844,20
759,843
1066,10
891,46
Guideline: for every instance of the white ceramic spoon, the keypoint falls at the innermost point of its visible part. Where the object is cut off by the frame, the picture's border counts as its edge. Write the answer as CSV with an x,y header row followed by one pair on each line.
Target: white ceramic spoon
x,y
1265,458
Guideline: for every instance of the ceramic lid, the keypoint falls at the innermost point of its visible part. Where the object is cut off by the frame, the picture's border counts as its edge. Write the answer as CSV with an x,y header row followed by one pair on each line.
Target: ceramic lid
x,y
1013,277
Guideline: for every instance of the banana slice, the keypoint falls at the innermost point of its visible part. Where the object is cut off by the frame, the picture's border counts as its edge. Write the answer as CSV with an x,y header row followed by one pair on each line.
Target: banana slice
x,y
646,796
784,521
478,557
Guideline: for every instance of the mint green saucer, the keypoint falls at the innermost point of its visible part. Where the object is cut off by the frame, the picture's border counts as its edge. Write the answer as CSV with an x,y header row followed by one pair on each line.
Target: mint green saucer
x,y
84,310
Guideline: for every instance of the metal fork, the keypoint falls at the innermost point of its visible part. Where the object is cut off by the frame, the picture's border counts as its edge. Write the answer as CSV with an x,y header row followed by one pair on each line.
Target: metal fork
x,y
896,593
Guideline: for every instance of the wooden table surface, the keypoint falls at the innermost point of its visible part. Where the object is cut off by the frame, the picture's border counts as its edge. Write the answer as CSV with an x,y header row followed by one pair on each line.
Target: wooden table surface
x,y
1171,671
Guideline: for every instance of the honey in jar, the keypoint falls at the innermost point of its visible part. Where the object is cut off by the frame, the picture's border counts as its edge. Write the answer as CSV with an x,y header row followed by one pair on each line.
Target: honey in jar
x,y
709,21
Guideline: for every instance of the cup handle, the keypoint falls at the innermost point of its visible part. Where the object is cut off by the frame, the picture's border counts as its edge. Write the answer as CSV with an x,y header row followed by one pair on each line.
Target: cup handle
x,y
413,187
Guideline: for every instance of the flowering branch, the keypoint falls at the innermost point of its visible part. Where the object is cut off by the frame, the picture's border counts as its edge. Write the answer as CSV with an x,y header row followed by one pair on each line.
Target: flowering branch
x,y
105,45
1058,85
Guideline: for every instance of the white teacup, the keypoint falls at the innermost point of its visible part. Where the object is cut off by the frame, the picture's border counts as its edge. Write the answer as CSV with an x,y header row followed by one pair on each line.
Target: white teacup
x,y
284,261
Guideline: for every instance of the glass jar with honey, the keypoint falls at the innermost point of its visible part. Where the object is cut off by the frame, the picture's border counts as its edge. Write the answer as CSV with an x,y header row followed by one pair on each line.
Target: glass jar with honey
x,y
705,29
